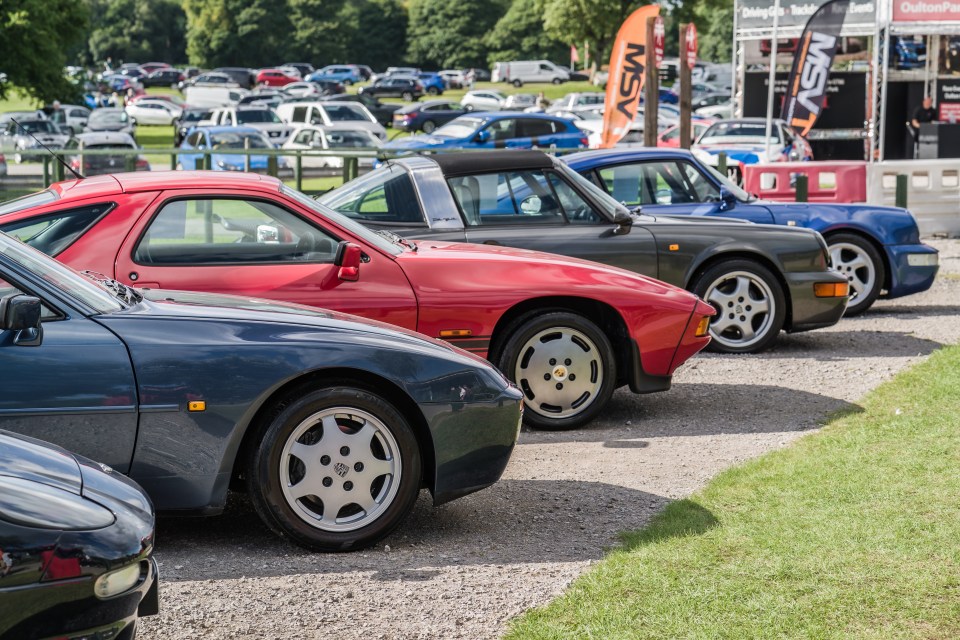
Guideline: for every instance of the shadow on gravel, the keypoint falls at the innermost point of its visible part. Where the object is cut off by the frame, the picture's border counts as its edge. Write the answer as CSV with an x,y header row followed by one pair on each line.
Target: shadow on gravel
x,y
912,312
513,522
699,409
843,345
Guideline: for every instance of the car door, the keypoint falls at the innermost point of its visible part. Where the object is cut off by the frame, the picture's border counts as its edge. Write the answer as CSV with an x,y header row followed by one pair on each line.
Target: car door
x,y
672,188
539,132
542,211
502,134
75,388
252,246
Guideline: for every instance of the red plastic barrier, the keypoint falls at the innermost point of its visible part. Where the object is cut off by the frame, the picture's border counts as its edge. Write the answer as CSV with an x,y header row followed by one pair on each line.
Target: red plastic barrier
x,y
841,181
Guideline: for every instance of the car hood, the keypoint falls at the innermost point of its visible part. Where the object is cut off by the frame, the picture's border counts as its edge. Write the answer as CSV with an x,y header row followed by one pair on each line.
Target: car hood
x,y
423,142
24,457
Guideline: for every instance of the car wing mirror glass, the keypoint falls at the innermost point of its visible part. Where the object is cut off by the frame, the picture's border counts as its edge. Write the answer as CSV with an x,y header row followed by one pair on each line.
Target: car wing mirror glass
x,y
727,199
348,259
531,204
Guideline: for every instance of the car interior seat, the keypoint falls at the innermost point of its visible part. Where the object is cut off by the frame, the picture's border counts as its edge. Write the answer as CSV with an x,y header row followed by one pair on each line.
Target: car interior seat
x,y
467,192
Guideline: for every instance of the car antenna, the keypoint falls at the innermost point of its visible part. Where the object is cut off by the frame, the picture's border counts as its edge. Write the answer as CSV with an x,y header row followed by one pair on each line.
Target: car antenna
x,y
47,149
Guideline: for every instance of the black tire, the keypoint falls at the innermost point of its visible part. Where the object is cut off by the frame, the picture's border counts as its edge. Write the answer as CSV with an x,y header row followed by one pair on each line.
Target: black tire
x,y
468,107
845,248
407,96
556,81
347,82
522,355
290,424
518,82
736,317
428,126
433,91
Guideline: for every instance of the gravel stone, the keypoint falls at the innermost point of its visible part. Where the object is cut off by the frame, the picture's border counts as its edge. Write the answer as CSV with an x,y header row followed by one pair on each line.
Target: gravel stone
x,y
464,569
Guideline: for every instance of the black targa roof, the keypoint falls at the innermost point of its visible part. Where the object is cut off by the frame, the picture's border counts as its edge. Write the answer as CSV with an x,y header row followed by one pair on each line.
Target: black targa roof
x,y
459,164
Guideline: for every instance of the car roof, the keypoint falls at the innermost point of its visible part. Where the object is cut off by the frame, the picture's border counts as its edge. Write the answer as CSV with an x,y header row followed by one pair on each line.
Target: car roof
x,y
99,186
658,153
229,129
453,164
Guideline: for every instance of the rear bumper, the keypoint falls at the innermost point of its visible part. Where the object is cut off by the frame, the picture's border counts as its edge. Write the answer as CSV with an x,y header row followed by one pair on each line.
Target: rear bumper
x,y
907,278
807,310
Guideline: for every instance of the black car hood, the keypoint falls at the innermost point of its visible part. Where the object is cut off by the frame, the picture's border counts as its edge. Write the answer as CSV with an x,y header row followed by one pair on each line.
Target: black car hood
x,y
31,459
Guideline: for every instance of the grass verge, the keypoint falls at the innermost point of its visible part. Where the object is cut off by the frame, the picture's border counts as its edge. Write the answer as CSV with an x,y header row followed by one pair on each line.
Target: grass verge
x,y
849,532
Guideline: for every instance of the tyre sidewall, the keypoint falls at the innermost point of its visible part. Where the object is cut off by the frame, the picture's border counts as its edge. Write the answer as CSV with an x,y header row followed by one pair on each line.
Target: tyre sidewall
x,y
880,271
263,476
519,332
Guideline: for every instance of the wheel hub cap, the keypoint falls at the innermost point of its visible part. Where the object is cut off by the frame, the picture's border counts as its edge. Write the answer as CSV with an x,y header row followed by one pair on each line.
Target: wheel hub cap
x,y
560,371
745,309
854,263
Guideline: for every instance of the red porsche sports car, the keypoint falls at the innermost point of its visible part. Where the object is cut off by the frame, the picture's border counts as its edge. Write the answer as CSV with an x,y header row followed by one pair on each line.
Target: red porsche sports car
x,y
567,331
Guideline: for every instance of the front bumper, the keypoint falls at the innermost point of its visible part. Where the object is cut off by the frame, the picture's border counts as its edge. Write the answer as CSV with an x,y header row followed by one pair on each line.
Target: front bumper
x,y
807,310
913,268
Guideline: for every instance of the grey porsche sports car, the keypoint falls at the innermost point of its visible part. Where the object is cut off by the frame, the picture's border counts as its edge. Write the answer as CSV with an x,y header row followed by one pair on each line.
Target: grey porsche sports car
x,y
761,279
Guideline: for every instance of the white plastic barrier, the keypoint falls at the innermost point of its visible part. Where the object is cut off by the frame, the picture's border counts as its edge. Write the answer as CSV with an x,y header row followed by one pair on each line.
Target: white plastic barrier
x,y
933,191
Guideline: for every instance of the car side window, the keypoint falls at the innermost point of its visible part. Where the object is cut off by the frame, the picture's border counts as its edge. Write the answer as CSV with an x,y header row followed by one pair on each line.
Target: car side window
x,y
514,197
304,137
387,197
54,232
647,183
8,288
705,190
194,138
217,231
534,127
577,210
503,129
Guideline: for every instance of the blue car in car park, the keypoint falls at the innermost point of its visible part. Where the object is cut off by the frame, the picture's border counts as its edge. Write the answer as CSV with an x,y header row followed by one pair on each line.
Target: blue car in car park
x,y
433,83
345,73
498,130
225,138
877,248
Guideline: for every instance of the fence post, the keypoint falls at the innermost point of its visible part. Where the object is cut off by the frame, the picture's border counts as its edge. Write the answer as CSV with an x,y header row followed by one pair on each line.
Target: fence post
x,y
350,169
57,172
130,161
272,165
46,171
173,161
722,163
298,167
901,195
246,157
802,186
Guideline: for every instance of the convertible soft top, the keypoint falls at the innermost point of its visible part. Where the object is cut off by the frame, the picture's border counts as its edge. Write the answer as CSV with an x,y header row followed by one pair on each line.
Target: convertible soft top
x,y
458,164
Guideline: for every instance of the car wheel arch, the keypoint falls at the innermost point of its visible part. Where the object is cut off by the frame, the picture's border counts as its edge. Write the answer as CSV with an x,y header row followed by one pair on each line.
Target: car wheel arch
x,y
259,418
602,314
717,258
857,231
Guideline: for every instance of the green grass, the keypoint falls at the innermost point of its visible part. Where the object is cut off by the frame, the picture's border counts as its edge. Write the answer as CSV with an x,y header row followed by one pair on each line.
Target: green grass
x,y
851,532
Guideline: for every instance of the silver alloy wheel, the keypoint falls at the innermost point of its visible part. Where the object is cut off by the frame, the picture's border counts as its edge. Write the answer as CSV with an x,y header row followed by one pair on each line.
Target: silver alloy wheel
x,y
340,469
745,309
855,265
560,372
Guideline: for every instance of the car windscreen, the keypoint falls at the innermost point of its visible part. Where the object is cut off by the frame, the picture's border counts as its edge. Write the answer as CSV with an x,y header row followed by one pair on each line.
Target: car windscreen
x,y
733,132
59,275
347,139
194,116
459,128
38,126
238,141
111,116
247,116
346,113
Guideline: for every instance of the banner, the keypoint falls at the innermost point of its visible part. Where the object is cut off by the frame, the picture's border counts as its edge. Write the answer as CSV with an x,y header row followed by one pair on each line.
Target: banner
x,y
755,15
807,83
926,11
626,75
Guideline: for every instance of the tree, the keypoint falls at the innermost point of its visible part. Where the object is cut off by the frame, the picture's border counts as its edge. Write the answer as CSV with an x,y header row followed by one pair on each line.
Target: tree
x,y
519,35
318,31
715,40
251,33
138,30
36,36
377,47
450,34
593,21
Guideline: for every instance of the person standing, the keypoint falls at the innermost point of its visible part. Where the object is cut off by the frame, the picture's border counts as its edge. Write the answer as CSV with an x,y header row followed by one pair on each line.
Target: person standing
x,y
924,113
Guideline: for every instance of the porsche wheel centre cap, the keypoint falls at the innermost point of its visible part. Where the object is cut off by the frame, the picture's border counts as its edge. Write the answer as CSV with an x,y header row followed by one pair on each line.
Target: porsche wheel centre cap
x,y
560,373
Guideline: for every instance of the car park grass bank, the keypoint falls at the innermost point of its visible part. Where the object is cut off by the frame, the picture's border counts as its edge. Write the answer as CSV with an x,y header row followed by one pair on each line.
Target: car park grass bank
x,y
850,532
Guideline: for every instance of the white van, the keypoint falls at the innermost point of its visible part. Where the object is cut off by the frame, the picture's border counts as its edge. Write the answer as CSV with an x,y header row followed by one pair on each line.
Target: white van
x,y
520,71
212,95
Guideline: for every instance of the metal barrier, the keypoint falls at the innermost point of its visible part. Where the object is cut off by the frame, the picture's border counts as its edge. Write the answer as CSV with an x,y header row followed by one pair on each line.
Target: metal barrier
x,y
842,181
933,188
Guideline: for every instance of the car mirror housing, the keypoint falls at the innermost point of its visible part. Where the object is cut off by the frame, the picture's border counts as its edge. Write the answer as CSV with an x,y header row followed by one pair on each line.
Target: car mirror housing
x,y
624,221
727,199
348,259
482,136
21,313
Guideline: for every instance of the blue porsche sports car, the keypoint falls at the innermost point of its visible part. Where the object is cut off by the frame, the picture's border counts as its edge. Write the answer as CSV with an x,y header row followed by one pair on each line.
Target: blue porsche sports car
x,y
500,130
332,422
877,248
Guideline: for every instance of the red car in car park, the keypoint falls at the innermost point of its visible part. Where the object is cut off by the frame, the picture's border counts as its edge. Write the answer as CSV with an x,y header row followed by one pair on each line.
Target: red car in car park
x,y
567,331
274,78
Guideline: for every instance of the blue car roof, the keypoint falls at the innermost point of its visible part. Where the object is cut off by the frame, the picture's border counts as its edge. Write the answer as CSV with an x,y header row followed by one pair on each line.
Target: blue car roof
x,y
604,156
500,115
230,129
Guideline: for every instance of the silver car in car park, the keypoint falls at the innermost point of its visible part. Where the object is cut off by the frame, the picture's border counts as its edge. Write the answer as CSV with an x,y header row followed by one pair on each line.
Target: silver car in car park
x,y
21,136
100,163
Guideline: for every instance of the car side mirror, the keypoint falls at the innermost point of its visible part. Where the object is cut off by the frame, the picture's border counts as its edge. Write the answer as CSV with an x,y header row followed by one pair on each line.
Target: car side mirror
x,y
531,204
727,199
482,136
21,313
348,259
624,221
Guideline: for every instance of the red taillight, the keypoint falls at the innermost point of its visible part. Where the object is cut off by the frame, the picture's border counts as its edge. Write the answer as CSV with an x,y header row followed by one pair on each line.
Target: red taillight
x,y
584,141
142,164
75,164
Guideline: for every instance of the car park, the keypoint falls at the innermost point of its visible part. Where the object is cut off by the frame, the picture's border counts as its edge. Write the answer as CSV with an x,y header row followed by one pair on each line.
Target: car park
x,y
333,423
214,95
520,102
381,111
110,119
303,89
97,164
406,87
426,116
454,78
760,278
23,136
333,112
503,129
7,116
395,71
243,76
70,117
483,100
258,117
878,249
344,73
189,119
517,72
150,67
271,99
567,331
275,78
671,136
211,140
577,100
76,537
163,78
334,137
153,112
305,68
433,83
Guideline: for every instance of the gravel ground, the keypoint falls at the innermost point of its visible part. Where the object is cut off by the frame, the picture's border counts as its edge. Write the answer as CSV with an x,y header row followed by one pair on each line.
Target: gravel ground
x,y
463,569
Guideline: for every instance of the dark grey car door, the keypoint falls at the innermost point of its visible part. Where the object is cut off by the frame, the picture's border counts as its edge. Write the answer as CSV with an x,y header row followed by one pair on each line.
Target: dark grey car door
x,y
542,212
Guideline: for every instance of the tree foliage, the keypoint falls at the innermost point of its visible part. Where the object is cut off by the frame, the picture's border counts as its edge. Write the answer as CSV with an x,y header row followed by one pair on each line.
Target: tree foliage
x,y
252,33
450,34
714,19
138,30
376,33
593,21
36,35
519,35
